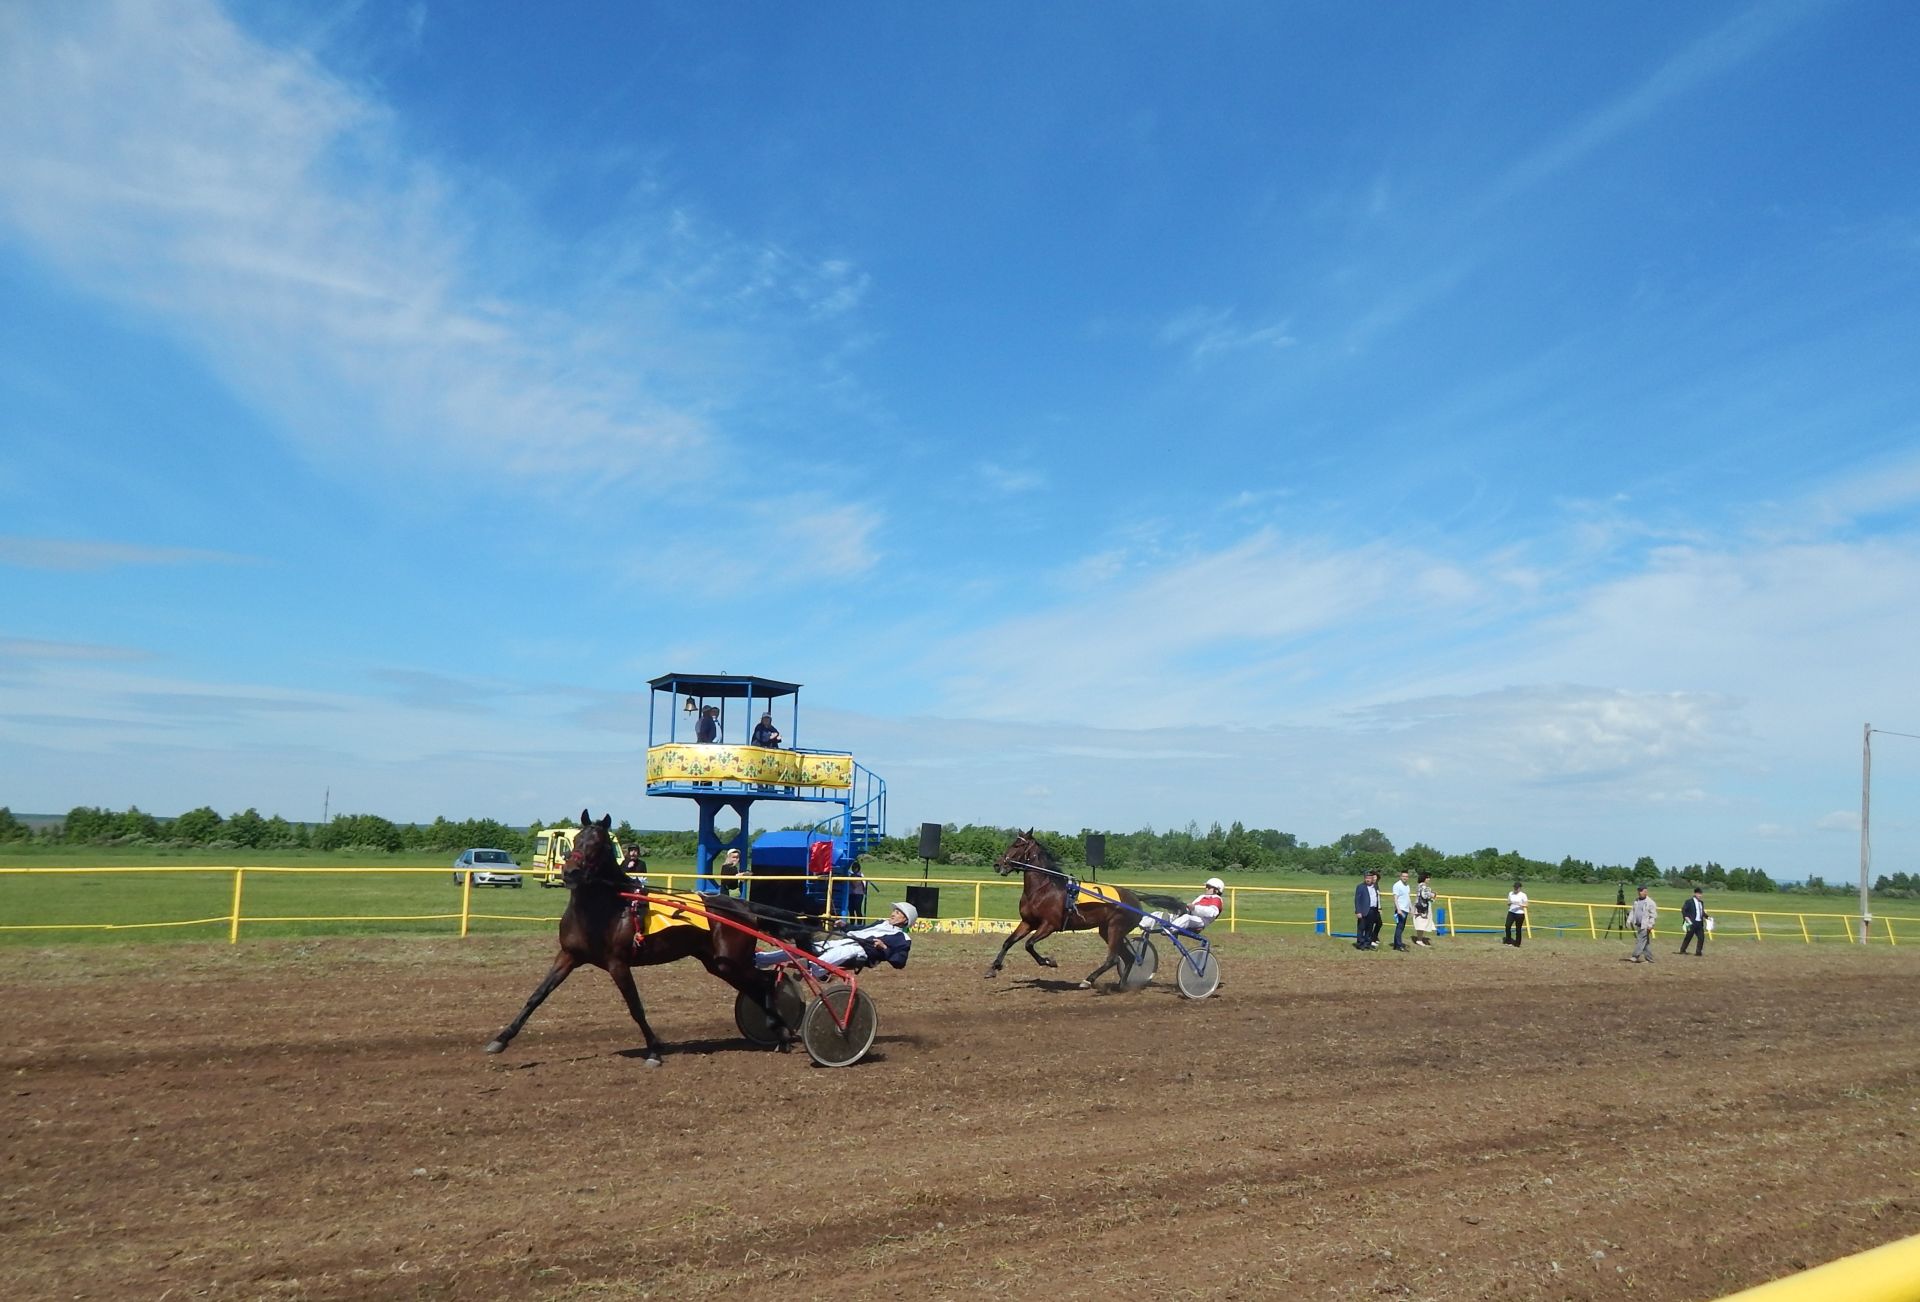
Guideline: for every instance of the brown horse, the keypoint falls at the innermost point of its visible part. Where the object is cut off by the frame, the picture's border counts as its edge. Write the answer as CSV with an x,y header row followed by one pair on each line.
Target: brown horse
x,y
598,929
1043,910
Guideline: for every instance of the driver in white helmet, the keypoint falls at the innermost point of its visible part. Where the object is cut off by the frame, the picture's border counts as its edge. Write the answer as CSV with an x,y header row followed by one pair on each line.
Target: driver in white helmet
x,y
1205,908
888,942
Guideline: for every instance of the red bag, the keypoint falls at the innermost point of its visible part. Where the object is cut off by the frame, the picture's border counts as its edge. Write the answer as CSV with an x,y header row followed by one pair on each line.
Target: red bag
x,y
820,857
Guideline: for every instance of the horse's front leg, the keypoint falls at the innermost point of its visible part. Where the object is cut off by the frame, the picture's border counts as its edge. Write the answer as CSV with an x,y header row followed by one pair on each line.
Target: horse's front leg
x,y
623,978
1040,933
562,965
1000,959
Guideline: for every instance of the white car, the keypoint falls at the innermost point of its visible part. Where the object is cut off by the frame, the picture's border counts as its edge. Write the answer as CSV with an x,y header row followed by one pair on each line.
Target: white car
x,y
488,868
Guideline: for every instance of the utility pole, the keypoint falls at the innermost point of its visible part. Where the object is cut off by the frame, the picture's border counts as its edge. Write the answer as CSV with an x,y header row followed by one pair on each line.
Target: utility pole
x,y
326,807
1866,808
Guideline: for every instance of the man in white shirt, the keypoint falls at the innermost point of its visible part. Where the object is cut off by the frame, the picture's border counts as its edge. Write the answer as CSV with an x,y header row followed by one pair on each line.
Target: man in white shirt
x,y
1516,929
1402,910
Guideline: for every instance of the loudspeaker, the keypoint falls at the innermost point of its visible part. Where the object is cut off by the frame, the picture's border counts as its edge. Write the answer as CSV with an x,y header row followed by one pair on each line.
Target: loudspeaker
x,y
929,840
925,898
1096,850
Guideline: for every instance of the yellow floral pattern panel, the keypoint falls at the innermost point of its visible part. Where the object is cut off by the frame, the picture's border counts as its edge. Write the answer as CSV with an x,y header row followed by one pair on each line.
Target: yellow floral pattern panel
x,y
681,762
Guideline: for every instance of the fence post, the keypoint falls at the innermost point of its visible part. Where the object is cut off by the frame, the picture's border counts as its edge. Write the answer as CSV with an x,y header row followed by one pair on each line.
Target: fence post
x,y
466,901
976,906
1801,918
1756,925
233,926
1233,910
1327,898
1592,930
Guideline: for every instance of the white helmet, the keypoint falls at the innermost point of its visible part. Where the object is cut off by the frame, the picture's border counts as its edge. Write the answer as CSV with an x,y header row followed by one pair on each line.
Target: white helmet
x,y
907,911
1215,884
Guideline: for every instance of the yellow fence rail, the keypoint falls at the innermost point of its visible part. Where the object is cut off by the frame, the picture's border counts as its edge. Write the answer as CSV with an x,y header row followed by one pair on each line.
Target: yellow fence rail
x,y
987,905
1890,1273
991,905
1563,918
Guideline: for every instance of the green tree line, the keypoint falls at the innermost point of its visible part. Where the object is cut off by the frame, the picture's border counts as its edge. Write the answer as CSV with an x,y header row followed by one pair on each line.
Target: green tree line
x,y
1143,854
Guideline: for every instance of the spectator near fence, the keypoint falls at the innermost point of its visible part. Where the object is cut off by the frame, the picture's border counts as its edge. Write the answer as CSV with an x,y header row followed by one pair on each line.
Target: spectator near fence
x,y
1402,910
1423,920
1694,912
1641,918
1516,929
1366,912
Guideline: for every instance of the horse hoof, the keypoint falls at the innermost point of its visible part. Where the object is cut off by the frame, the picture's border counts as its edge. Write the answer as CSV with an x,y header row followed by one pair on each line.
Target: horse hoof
x,y
498,1046
1086,985
651,1060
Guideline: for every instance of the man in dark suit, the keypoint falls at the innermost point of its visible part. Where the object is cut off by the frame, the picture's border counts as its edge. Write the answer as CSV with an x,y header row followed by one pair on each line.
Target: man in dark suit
x,y
1366,912
1694,914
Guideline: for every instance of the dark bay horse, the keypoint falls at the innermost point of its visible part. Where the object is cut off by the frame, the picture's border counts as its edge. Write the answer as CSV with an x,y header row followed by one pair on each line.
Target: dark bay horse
x,y
598,929
1043,910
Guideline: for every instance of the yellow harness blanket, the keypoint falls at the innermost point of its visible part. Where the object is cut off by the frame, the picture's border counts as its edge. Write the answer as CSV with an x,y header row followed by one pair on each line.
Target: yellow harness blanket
x,y
657,913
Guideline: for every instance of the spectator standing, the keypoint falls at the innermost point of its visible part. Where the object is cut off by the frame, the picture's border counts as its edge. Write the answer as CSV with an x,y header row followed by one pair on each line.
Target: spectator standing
x,y
1366,912
1694,914
707,730
1516,929
1641,918
1423,921
765,734
1402,910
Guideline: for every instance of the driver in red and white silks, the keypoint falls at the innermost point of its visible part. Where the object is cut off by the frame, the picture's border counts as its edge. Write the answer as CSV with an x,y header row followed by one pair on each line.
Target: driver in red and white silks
x,y
1205,908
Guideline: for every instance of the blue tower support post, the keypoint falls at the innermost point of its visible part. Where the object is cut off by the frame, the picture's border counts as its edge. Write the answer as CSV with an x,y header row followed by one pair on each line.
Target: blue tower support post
x,y
707,850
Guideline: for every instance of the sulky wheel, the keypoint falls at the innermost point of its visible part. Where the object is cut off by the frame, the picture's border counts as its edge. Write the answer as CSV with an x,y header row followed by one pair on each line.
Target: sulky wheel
x,y
829,1045
789,1003
1146,961
1199,974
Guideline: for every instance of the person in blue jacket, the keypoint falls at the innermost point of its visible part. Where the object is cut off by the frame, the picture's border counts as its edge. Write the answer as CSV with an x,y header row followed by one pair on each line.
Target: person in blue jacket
x,y
1366,912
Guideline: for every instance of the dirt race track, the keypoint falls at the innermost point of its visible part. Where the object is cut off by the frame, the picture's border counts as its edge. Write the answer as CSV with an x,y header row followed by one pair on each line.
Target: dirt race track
x,y
316,1120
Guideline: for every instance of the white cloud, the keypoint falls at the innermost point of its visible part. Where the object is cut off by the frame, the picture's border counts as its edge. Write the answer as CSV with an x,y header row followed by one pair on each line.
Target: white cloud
x,y
1203,333
75,555
268,212
1840,820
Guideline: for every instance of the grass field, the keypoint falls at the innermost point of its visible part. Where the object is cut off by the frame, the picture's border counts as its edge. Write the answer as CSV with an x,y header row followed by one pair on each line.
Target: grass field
x,y
190,895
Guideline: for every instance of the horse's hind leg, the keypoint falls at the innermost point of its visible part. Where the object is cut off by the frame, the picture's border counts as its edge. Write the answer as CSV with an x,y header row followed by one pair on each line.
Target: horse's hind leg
x,y
562,965
1117,956
1013,937
623,978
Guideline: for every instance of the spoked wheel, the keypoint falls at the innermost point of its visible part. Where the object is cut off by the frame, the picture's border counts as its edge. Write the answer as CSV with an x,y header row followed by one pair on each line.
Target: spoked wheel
x,y
789,1003
1199,974
1146,961
828,1044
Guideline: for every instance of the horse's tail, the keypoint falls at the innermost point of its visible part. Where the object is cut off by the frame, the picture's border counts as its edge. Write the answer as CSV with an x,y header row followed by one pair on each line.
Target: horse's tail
x,y
1170,903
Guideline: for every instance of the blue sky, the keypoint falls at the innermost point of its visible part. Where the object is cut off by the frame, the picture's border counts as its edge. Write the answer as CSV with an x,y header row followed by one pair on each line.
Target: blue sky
x,y
1495,424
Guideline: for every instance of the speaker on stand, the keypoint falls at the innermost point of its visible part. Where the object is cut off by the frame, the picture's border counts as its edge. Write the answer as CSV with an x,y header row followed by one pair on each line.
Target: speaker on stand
x,y
927,898
1096,854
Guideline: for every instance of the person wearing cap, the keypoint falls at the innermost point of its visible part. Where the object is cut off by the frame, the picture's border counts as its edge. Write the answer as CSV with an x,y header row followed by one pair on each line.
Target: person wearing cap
x,y
1206,906
635,869
1694,914
765,734
1402,910
1641,918
706,730
887,942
